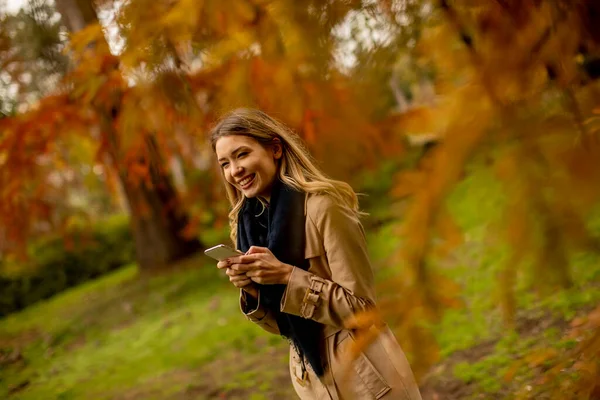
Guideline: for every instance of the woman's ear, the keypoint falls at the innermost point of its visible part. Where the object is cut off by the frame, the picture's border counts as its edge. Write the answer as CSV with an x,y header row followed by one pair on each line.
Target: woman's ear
x,y
277,148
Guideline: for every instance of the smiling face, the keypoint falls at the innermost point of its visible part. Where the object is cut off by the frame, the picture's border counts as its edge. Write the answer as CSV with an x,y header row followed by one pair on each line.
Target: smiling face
x,y
248,165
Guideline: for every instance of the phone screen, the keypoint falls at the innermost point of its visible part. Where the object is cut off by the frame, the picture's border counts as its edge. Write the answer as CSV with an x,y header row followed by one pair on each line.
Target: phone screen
x,y
222,252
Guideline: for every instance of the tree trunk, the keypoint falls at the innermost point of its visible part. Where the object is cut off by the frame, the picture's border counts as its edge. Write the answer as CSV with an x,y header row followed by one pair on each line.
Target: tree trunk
x,y
157,218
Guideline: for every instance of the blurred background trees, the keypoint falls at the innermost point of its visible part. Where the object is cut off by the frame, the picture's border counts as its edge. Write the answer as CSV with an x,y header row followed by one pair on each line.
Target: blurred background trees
x,y
105,108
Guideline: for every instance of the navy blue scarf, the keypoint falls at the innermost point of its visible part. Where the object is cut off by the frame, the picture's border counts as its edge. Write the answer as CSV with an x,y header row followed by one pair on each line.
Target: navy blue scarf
x,y
280,228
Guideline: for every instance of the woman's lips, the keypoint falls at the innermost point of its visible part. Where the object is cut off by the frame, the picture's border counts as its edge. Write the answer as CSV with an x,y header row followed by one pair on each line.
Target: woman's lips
x,y
249,182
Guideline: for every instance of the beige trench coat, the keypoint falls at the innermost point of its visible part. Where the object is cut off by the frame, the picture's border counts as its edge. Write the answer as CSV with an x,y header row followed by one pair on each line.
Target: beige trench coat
x,y
338,283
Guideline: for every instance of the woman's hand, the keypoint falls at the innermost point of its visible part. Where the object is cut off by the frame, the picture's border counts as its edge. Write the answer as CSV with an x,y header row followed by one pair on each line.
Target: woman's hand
x,y
239,278
261,266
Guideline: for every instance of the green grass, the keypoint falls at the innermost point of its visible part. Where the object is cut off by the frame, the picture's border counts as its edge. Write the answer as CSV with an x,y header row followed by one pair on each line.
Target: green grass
x,y
473,339
122,332
180,335
476,204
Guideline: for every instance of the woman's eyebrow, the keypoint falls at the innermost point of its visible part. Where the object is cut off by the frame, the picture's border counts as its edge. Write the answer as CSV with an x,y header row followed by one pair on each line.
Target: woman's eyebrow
x,y
233,153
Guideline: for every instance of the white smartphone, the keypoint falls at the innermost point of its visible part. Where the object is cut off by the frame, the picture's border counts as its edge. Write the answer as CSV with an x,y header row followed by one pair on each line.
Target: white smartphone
x,y
220,252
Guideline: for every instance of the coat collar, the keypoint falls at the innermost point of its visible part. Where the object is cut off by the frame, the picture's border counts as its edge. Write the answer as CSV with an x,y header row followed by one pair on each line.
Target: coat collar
x,y
306,203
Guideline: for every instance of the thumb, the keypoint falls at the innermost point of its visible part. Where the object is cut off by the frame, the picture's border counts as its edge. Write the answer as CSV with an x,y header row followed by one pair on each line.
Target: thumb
x,y
257,249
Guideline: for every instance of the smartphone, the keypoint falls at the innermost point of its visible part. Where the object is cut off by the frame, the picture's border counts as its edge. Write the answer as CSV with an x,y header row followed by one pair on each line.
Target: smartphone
x,y
220,252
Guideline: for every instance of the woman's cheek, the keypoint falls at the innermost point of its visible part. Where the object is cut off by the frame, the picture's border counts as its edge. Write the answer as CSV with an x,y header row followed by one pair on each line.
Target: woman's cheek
x,y
228,177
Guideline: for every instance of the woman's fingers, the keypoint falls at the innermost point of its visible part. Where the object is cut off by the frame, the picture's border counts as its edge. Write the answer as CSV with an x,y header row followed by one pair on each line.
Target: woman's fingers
x,y
249,258
257,265
245,267
242,283
260,276
233,272
240,280
230,262
236,260
257,250
254,273
271,275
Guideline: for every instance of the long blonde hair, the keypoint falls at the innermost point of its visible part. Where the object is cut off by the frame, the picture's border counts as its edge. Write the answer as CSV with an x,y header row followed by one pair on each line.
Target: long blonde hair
x,y
297,168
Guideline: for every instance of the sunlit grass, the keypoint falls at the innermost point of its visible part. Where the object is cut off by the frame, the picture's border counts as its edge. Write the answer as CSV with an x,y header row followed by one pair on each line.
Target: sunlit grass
x,y
476,332
180,334
115,334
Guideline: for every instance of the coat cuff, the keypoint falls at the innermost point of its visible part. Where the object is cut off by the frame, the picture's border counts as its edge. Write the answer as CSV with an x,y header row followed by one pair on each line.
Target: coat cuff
x,y
251,308
302,295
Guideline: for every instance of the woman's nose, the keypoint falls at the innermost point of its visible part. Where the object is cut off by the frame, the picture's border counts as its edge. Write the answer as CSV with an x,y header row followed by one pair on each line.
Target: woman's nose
x,y
237,169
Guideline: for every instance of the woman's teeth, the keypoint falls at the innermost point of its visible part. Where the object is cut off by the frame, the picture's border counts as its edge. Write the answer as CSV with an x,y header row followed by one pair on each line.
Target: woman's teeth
x,y
247,180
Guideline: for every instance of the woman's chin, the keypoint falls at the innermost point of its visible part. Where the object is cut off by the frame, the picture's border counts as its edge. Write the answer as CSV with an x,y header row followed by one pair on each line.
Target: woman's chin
x,y
249,193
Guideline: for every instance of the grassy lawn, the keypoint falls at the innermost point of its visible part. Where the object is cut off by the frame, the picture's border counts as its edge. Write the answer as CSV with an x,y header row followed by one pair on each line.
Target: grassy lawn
x,y
180,335
128,336
477,348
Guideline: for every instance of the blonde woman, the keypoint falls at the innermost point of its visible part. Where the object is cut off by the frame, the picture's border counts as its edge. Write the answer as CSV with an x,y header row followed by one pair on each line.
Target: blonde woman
x,y
306,269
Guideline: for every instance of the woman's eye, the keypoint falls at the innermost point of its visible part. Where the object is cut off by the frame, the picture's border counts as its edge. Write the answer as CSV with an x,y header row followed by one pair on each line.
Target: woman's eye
x,y
224,165
243,153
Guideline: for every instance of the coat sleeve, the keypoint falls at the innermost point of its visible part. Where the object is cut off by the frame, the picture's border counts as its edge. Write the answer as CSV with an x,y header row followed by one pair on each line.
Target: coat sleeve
x,y
350,290
257,313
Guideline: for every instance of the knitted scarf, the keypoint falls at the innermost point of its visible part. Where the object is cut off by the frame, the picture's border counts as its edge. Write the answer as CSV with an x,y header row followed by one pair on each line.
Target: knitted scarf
x,y
280,228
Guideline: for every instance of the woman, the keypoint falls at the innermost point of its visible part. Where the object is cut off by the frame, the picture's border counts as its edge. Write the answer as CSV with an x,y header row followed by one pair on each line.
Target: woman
x,y
305,271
